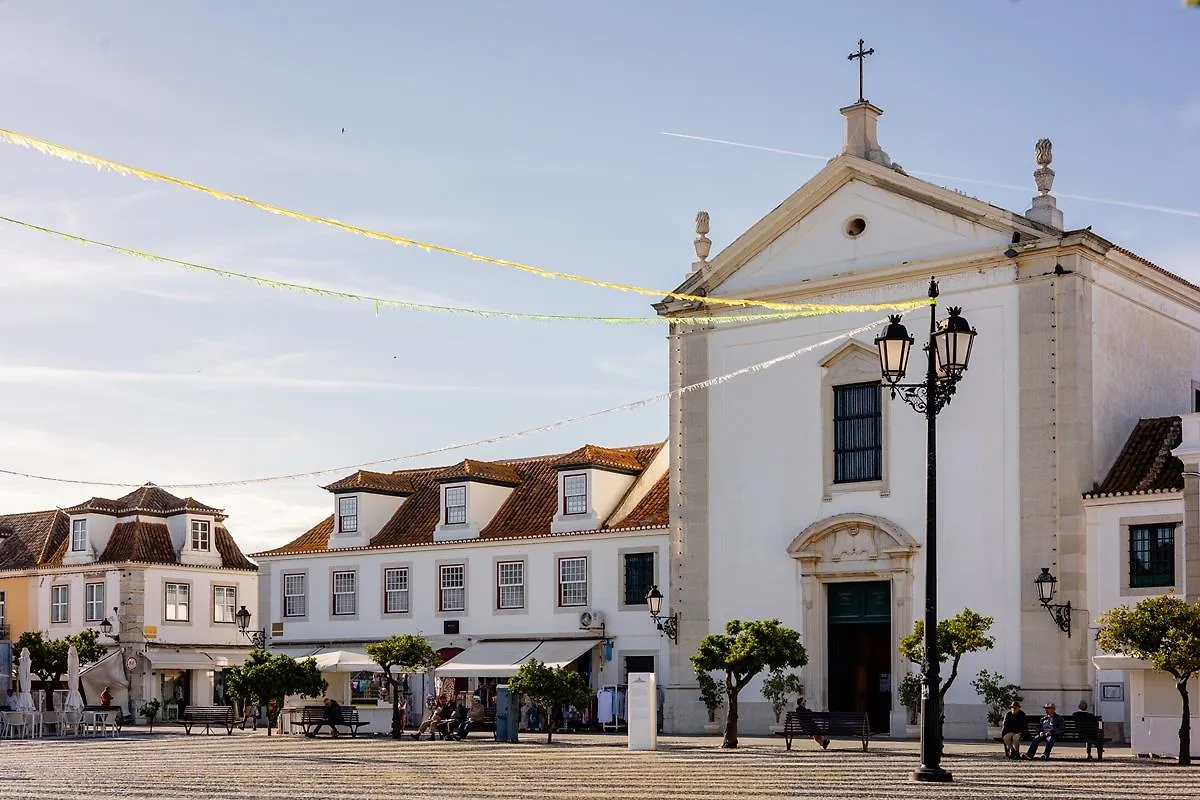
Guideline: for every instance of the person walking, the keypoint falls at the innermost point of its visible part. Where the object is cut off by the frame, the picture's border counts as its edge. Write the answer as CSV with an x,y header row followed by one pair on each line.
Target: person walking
x,y
1013,730
1050,727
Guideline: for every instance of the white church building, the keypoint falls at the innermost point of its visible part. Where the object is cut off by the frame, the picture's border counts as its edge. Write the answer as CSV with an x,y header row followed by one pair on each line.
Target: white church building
x,y
799,492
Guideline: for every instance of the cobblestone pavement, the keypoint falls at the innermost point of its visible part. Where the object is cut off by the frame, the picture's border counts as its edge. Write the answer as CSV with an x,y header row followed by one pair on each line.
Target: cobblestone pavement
x,y
250,765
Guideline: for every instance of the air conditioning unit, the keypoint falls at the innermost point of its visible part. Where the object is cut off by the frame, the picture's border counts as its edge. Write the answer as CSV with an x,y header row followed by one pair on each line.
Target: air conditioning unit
x,y
591,619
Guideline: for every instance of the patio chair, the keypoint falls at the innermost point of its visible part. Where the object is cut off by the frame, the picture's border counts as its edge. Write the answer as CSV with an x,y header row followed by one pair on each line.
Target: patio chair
x,y
106,723
71,719
16,725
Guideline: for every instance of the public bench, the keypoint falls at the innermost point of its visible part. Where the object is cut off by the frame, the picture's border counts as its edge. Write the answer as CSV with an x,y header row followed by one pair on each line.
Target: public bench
x,y
312,718
827,724
207,716
1090,732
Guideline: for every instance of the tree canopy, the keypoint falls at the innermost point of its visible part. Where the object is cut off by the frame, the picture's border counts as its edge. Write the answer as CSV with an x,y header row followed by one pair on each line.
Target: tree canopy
x,y
965,632
48,657
263,678
401,655
548,688
1164,631
743,651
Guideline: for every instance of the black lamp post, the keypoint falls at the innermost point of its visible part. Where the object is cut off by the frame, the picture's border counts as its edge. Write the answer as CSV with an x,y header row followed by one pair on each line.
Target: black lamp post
x,y
947,353
106,629
258,638
668,625
1060,612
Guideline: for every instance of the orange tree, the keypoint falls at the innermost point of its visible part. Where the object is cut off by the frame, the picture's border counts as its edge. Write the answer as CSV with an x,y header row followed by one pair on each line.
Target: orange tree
x,y
400,656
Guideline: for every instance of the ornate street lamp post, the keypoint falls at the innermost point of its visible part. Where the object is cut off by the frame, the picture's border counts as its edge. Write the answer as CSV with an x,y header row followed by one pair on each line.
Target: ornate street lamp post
x,y
947,354
258,639
668,625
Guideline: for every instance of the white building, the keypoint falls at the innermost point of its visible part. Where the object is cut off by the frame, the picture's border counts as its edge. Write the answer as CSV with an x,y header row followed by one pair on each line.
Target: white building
x,y
496,563
162,571
1143,527
799,492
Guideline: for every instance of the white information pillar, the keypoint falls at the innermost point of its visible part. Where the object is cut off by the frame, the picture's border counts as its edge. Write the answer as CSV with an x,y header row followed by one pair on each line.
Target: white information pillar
x,y
641,699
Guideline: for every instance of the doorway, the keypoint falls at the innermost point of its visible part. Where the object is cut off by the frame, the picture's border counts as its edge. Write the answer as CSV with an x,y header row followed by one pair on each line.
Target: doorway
x,y
860,650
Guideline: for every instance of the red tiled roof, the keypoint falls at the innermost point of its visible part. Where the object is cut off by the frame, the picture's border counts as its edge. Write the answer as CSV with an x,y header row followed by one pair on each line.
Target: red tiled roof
x,y
232,556
381,482
528,511
652,510
29,540
148,542
491,471
1145,465
148,499
592,456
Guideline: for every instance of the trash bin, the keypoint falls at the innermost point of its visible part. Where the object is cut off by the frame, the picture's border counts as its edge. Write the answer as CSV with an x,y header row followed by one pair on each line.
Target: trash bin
x,y
508,715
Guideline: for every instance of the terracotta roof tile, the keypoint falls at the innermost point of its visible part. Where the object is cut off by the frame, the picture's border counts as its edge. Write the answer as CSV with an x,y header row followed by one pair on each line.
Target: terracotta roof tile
x,y
592,456
492,471
653,509
382,482
528,511
148,542
1145,464
148,499
31,539
232,556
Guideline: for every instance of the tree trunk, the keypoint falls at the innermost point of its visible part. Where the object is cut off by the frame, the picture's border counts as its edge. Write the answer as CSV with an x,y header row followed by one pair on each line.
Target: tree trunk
x,y
549,723
1185,727
731,721
397,723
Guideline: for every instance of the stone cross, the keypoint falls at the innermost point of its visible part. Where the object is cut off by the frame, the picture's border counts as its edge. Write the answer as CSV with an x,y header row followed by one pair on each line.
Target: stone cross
x,y
861,55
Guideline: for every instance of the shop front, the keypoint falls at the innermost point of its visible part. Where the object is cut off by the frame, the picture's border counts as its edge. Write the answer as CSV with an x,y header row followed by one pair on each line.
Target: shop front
x,y
180,678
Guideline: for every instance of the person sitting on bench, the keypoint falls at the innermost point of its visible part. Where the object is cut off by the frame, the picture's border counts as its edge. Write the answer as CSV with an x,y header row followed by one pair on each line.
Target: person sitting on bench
x,y
803,712
333,718
1050,727
475,715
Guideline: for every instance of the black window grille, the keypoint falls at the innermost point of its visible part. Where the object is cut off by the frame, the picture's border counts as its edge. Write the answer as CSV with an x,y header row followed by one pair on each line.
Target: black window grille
x,y
1152,555
857,433
639,577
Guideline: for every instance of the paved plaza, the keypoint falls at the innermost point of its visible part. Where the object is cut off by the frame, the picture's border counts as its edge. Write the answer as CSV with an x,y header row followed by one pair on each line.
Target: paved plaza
x,y
248,765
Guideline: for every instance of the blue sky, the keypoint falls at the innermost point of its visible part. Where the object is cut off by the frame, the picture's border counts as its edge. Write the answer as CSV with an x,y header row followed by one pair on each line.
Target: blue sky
x,y
525,130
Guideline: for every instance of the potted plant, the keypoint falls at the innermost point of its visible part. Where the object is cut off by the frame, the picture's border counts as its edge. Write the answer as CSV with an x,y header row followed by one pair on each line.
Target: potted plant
x,y
910,698
149,710
713,698
776,689
997,696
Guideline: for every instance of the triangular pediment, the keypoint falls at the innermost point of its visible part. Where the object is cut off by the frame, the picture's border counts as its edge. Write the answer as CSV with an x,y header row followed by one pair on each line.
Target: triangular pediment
x,y
814,234
850,350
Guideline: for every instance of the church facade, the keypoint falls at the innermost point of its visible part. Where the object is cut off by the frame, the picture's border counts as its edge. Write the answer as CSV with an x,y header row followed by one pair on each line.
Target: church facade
x,y
799,492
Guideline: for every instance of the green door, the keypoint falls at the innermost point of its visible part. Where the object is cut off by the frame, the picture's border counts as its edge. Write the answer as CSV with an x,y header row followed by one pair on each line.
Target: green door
x,y
860,657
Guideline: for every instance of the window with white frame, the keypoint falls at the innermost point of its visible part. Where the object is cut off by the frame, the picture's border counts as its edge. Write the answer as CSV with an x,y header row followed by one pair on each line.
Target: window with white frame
x,y
858,433
575,494
224,603
1152,555
295,599
510,584
59,603
452,594
347,514
93,598
345,593
456,505
201,535
395,590
572,581
179,602
78,535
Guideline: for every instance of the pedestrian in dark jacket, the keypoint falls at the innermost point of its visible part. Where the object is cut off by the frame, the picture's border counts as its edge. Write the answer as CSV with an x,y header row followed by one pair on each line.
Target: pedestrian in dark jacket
x,y
1085,723
1013,730
1050,727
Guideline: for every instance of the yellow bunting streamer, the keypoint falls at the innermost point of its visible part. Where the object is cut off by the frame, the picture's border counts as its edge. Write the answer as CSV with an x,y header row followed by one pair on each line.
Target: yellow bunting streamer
x,y
562,423
384,302
76,156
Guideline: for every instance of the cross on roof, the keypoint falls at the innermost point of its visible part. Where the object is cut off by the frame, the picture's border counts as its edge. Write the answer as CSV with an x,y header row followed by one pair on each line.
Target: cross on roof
x,y
861,55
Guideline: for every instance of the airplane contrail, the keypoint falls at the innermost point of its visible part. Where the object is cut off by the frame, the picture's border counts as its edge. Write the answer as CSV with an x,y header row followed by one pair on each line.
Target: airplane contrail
x,y
1182,212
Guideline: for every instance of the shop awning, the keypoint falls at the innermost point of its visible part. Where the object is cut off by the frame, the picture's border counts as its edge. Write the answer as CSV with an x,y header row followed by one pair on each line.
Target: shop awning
x,y
192,659
1119,661
561,652
345,661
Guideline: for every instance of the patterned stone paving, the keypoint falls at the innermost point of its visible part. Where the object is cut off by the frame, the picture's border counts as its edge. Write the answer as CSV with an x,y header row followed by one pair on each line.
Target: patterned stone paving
x,y
248,765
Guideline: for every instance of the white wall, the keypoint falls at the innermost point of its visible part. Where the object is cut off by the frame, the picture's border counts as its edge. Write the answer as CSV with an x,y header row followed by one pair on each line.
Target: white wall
x,y
75,581
200,628
1158,711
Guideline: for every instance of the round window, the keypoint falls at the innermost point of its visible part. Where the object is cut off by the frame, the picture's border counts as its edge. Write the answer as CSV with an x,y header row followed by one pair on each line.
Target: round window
x,y
854,227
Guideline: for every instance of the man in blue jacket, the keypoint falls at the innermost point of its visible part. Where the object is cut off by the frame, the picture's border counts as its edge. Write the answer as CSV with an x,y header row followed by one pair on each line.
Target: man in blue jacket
x,y
1050,727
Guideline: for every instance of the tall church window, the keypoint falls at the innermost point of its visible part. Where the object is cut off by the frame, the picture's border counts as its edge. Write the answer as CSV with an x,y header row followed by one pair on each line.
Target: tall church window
x,y
858,433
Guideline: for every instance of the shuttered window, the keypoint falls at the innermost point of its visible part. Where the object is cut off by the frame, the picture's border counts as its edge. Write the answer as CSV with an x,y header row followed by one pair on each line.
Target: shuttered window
x,y
1152,555
857,433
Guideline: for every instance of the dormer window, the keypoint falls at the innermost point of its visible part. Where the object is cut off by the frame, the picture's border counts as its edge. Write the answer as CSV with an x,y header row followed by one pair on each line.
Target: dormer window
x,y
456,505
575,494
347,515
201,535
78,535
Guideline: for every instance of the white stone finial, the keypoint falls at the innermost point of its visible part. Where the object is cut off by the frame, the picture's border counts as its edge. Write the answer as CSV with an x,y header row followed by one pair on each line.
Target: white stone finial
x,y
1045,207
702,243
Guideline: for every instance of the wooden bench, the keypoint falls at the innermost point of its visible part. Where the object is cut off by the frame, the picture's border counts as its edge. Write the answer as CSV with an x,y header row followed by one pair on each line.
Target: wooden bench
x,y
208,716
827,723
312,718
1091,732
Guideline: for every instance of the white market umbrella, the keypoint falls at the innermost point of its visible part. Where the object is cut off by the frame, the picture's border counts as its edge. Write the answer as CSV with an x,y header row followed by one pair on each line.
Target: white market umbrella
x,y
74,700
24,682
345,661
